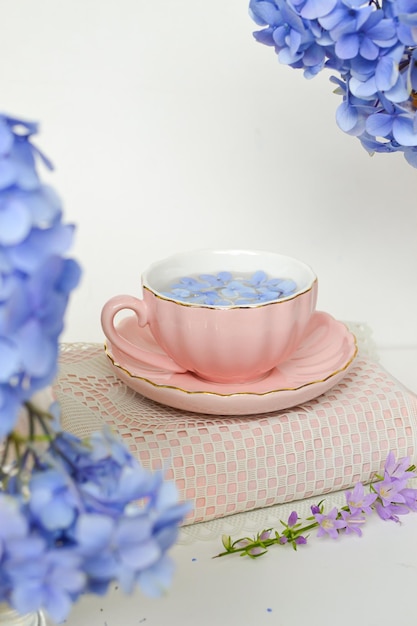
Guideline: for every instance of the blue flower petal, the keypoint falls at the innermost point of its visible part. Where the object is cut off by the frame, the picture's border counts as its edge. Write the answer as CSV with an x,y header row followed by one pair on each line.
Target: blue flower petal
x,y
295,39
44,205
224,276
229,293
40,244
314,55
403,131
93,531
8,173
331,20
346,116
6,137
15,222
368,49
9,360
36,351
244,301
266,13
140,556
411,156
16,311
265,36
399,92
288,286
178,292
290,18
9,284
27,177
386,73
268,296
69,277
155,580
384,32
9,408
379,124
347,47
363,89
317,8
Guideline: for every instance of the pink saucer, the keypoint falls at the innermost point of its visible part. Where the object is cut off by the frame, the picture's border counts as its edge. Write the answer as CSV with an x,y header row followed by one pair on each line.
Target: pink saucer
x,y
321,361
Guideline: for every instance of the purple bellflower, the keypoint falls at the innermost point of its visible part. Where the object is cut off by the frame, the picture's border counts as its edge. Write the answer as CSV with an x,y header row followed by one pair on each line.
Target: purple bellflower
x,y
389,496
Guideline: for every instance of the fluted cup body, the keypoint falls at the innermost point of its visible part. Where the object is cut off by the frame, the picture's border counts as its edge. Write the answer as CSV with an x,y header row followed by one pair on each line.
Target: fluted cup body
x,y
224,344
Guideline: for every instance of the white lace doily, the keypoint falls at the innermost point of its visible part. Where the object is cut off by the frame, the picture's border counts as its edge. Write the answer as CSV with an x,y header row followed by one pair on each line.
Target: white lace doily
x,y
88,400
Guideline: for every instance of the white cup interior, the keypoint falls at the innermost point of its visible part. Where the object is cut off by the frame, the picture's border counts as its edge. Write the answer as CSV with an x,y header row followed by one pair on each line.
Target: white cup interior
x,y
162,273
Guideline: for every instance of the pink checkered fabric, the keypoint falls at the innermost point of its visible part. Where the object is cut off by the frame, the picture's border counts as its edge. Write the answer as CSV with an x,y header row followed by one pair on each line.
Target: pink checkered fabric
x,y
227,465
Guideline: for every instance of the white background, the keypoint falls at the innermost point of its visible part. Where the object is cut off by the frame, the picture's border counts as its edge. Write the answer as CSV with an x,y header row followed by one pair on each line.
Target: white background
x,y
172,129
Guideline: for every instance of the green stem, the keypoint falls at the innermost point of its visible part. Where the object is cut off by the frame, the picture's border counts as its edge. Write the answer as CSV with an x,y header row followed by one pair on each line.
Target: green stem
x,y
267,542
5,455
31,425
16,443
256,544
34,410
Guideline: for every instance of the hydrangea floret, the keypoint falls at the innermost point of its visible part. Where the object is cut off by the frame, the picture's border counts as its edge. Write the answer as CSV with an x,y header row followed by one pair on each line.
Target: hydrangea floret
x,y
372,45
388,495
75,515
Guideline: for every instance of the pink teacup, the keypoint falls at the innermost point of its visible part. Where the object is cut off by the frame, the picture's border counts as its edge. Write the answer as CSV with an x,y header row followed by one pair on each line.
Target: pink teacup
x,y
226,342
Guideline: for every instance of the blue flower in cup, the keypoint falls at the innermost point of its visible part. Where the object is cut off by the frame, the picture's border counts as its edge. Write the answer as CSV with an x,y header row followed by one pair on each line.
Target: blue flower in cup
x,y
200,296
190,283
212,298
281,286
236,289
285,286
216,280
258,278
204,297
179,293
260,297
267,294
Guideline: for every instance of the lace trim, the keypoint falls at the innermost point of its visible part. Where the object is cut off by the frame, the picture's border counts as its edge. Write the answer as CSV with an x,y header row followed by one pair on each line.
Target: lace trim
x,y
247,522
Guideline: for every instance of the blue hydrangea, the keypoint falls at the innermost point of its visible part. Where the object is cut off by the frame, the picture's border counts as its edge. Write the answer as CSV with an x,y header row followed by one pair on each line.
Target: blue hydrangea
x,y
74,515
36,278
371,45
87,515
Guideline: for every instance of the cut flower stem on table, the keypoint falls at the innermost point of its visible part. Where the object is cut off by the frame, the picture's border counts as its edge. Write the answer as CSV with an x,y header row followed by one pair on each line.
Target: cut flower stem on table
x,y
388,495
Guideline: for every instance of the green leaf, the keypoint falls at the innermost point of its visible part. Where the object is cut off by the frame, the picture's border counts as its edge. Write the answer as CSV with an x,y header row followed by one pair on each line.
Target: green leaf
x,y
227,542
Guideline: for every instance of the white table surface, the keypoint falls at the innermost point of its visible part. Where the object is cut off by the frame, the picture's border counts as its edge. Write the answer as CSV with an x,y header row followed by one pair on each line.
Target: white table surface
x,y
367,581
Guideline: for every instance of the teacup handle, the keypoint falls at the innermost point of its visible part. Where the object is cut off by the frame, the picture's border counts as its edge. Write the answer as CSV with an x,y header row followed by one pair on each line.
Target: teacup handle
x,y
139,307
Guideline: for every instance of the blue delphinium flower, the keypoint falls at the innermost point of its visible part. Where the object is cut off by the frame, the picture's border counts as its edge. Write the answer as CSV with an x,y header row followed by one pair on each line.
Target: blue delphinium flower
x,y
35,276
371,45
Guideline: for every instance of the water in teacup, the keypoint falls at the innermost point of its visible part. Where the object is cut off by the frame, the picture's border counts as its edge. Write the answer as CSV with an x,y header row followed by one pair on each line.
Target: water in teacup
x,y
229,289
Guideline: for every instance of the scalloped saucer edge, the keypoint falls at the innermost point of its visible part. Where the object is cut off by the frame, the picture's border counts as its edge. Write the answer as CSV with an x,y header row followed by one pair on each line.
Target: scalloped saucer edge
x,y
323,358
